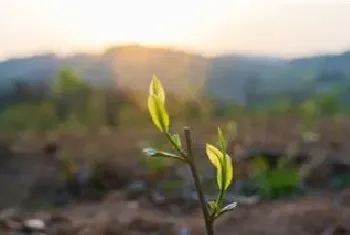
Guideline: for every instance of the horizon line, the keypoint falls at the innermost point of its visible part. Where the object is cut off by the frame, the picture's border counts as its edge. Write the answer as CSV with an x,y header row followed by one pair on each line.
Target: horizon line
x,y
98,51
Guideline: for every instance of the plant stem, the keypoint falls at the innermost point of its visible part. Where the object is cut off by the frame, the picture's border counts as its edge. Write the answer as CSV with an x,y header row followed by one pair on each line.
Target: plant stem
x,y
193,168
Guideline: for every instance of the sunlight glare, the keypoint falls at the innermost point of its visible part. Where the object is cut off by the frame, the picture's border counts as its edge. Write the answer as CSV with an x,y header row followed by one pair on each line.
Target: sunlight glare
x,y
153,22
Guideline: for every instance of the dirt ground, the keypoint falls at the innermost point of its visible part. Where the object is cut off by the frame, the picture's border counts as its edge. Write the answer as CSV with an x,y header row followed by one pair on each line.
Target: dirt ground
x,y
122,150
114,216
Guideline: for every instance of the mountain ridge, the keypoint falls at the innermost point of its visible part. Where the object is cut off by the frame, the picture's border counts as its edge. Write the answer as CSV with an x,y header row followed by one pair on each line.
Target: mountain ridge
x,y
224,77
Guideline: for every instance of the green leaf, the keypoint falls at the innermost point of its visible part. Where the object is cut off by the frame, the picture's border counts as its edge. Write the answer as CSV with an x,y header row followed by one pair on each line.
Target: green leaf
x,y
222,141
177,140
156,89
151,152
223,166
214,155
158,113
212,205
222,144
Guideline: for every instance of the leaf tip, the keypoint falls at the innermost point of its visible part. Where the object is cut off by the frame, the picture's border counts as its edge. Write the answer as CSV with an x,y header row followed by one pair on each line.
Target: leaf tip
x,y
149,152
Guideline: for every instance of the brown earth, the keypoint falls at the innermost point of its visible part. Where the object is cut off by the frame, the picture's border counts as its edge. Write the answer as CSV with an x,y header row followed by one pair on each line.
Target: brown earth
x,y
312,215
20,173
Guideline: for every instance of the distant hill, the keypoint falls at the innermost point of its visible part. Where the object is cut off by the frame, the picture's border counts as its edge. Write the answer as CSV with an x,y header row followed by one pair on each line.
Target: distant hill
x,y
224,77
130,67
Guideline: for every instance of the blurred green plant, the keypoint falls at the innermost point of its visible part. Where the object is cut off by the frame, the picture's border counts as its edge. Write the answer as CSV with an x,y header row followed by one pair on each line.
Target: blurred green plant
x,y
71,124
279,182
217,155
28,117
275,182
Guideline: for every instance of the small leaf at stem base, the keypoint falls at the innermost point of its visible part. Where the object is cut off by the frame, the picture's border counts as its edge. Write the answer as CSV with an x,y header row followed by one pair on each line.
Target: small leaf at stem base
x,y
151,152
227,208
212,205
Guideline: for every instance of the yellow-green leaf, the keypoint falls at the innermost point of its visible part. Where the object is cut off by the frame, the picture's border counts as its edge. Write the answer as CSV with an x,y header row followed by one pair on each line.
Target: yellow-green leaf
x,y
212,205
229,171
224,178
177,140
221,140
214,155
158,113
222,164
156,88
222,145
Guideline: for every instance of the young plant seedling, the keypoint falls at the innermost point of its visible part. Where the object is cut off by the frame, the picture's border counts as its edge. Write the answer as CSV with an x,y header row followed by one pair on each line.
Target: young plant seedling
x,y
217,155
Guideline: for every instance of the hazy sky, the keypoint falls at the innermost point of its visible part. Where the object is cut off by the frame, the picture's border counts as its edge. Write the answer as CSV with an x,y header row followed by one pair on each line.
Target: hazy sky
x,y
278,27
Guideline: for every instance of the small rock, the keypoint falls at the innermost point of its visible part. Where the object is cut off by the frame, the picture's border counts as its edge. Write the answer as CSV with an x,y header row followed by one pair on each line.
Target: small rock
x,y
33,226
184,231
158,198
136,189
133,204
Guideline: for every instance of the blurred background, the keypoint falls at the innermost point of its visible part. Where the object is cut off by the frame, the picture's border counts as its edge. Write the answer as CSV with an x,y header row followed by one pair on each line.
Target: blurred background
x,y
74,78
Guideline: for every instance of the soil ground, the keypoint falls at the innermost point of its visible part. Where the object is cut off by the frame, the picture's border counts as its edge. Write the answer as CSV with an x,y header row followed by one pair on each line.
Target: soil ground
x,y
122,150
312,215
